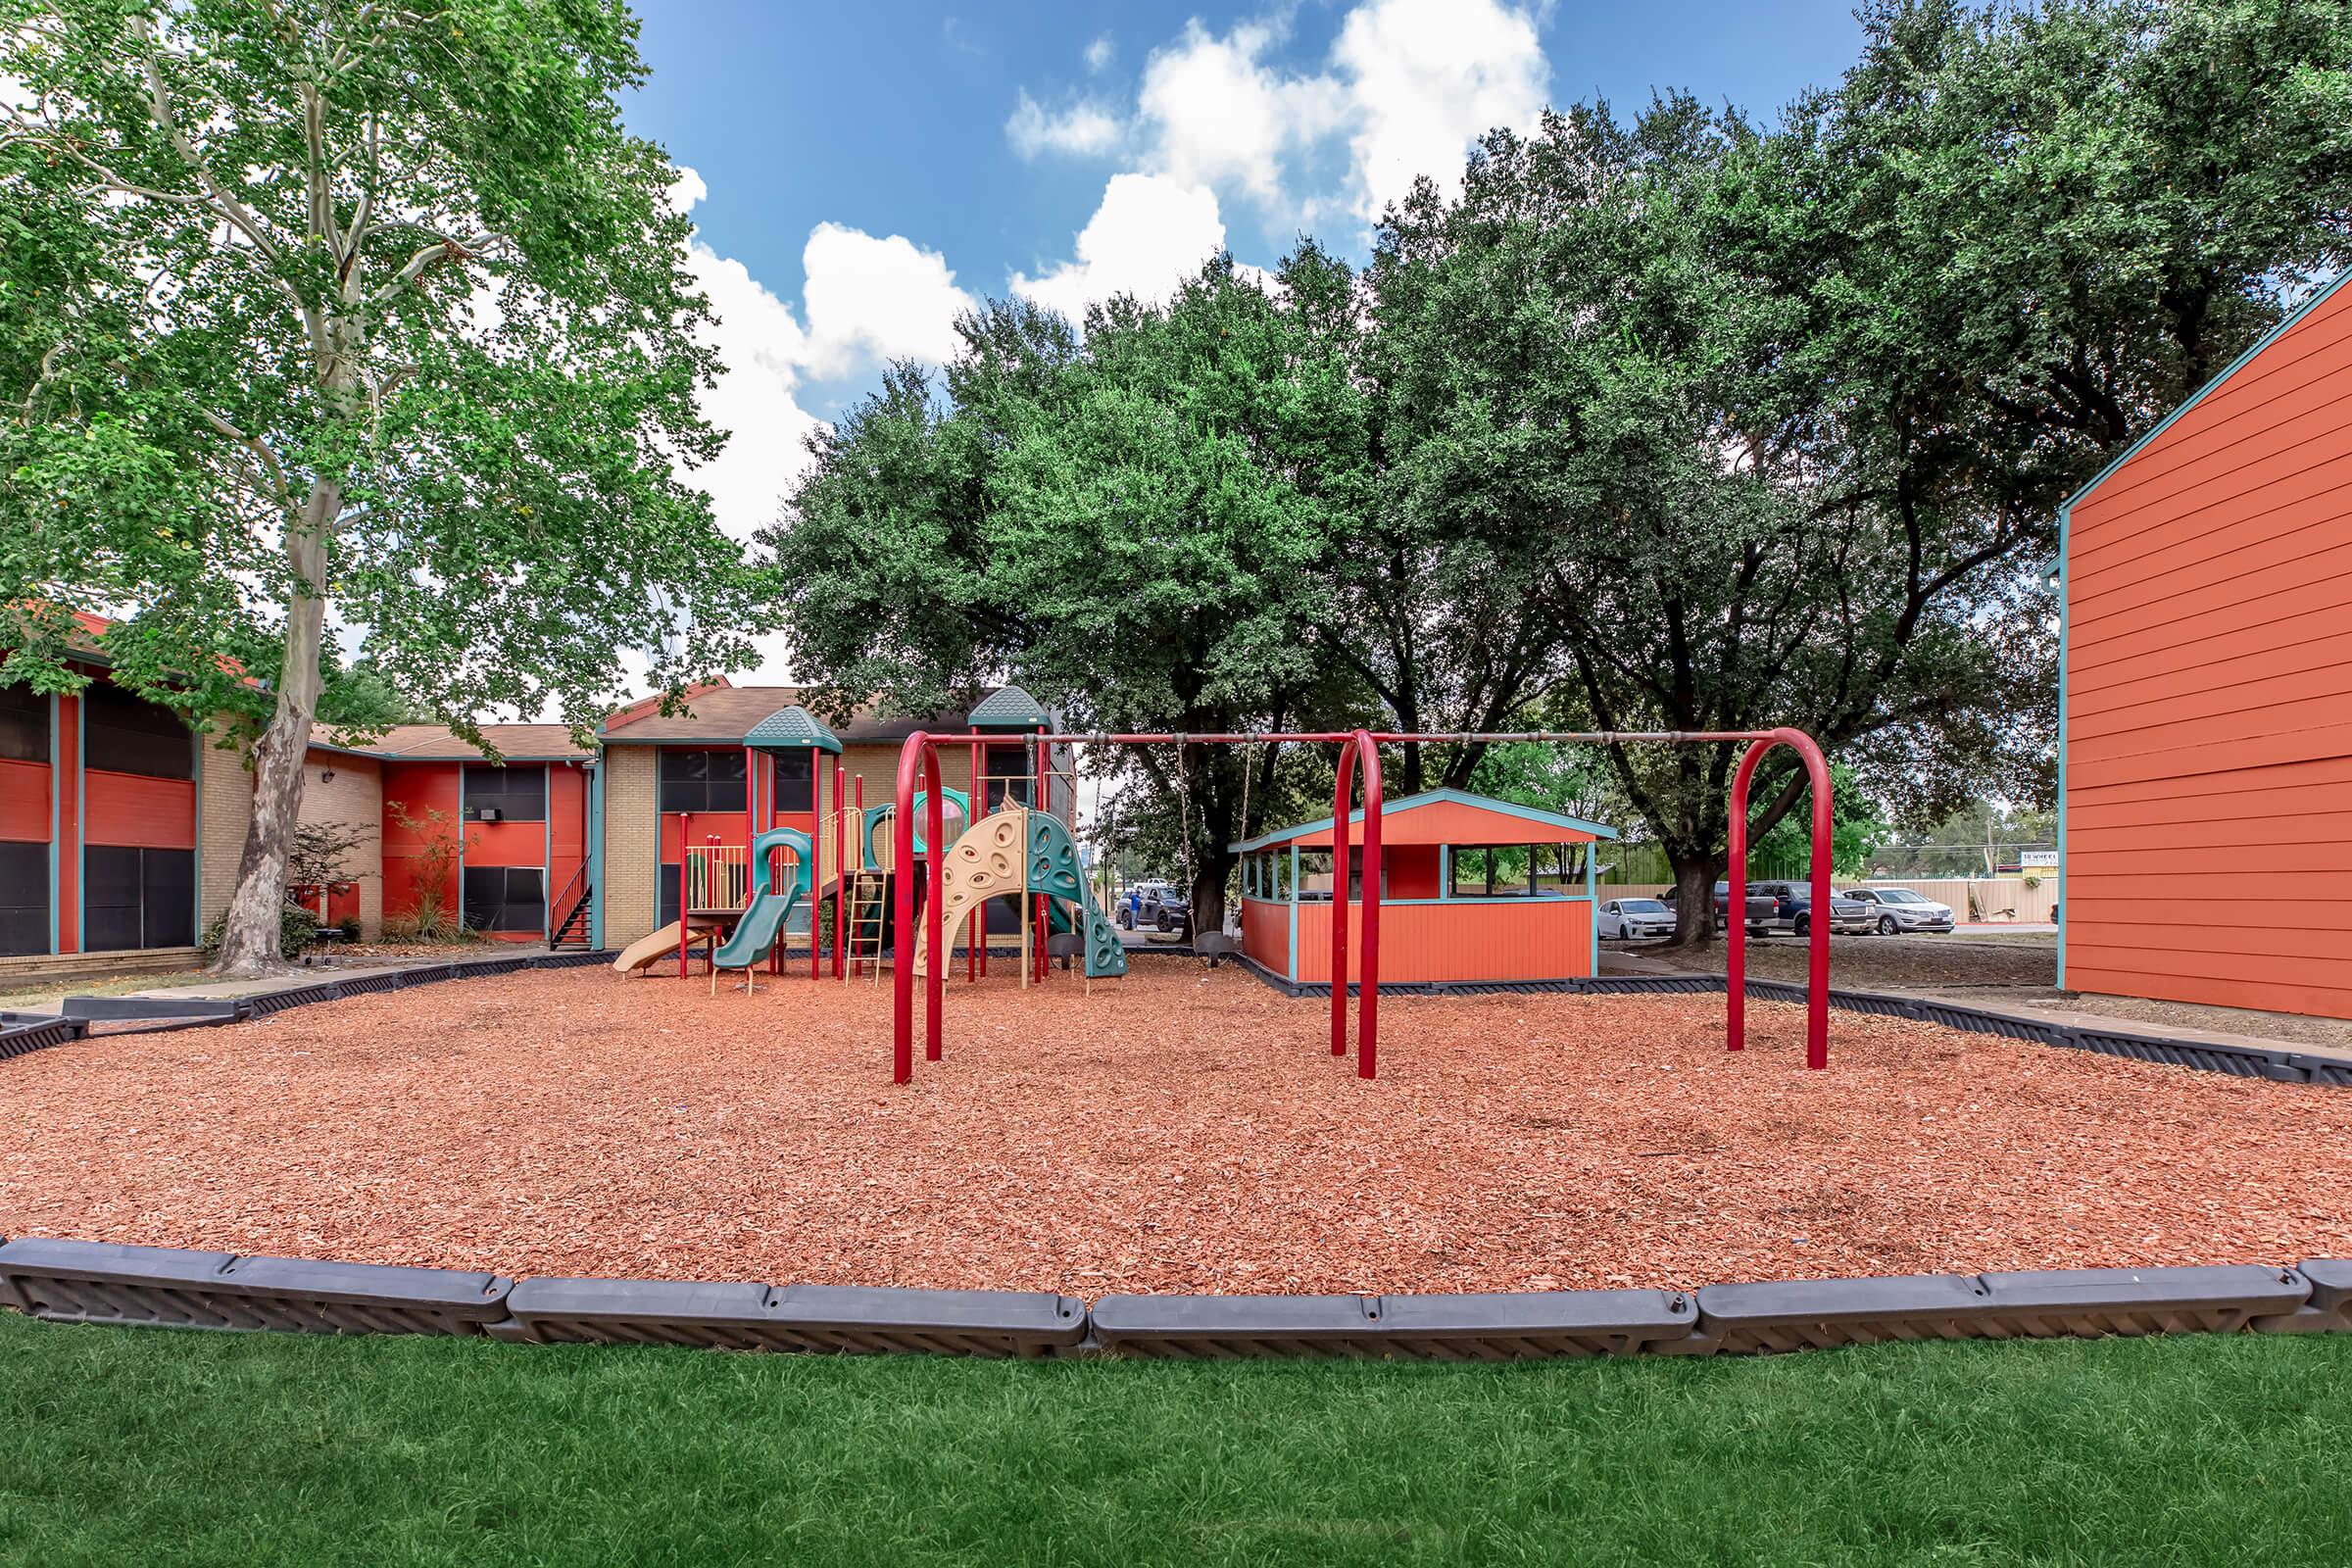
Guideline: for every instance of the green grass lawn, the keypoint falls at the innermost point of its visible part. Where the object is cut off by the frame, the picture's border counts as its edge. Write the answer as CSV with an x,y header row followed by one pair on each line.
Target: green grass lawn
x,y
152,1445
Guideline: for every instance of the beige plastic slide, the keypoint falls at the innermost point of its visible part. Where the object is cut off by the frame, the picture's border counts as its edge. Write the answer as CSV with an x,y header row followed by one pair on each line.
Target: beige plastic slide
x,y
660,945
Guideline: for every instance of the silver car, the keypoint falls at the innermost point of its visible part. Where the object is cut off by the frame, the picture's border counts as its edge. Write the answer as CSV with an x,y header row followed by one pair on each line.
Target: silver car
x,y
1635,917
1899,910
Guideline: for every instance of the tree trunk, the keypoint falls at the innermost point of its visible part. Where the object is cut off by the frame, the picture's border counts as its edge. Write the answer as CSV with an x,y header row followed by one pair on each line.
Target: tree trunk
x,y
1208,890
249,942
1693,890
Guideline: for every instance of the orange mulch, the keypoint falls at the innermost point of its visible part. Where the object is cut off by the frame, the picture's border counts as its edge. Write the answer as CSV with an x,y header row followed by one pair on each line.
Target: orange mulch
x,y
1181,1130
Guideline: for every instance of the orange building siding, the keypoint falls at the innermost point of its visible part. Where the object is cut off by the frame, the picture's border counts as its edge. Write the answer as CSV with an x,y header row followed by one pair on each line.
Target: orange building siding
x,y
2208,666
418,788
1502,940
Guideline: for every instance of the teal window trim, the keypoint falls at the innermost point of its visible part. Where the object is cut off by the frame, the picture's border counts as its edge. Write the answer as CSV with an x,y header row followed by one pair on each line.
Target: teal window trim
x,y
1591,917
56,791
196,773
2066,520
595,827
1293,970
82,827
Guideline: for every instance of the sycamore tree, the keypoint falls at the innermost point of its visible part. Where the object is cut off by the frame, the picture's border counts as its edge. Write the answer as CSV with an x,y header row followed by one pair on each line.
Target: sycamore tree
x,y
322,314
1136,524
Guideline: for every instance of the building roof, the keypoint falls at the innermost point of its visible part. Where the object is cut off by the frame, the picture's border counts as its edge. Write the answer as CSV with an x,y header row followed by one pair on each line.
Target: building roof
x,y
1446,816
435,743
792,725
726,717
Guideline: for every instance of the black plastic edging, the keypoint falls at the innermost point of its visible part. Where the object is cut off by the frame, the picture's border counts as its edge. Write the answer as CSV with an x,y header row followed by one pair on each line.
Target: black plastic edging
x,y
88,1282
16,1040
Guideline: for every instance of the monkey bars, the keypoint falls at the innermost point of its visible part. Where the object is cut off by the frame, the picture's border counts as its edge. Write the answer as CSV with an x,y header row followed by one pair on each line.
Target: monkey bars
x,y
920,779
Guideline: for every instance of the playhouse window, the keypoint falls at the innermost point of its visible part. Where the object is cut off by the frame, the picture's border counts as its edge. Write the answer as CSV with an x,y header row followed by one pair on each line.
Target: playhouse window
x,y
796,779
127,734
25,735
505,898
700,781
516,794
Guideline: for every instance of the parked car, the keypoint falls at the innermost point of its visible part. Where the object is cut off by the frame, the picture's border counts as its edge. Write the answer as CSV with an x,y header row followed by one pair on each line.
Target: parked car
x,y
1155,904
1636,917
1759,906
1793,908
1897,909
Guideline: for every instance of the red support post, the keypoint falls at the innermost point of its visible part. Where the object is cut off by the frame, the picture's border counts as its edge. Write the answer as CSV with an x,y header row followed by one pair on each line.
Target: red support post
x,y
975,927
685,825
816,859
1817,959
840,873
911,758
1043,801
1358,749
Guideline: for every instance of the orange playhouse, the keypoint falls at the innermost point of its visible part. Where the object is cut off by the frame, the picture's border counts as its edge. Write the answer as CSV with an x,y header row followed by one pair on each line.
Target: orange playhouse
x,y
1473,891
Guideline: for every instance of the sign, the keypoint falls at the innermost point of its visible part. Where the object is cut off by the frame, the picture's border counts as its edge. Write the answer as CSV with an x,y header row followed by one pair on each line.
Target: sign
x,y
2038,860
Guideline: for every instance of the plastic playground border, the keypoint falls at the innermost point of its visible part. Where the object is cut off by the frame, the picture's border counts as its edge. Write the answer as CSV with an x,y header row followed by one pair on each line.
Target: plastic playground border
x,y
62,1280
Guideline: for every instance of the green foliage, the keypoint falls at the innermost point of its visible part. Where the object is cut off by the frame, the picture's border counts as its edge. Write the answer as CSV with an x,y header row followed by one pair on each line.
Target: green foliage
x,y
321,849
1857,830
297,928
396,281
1137,528
275,1448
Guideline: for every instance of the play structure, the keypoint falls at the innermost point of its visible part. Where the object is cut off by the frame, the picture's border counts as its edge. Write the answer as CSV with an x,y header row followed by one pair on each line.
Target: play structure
x,y
736,906
919,770
1021,851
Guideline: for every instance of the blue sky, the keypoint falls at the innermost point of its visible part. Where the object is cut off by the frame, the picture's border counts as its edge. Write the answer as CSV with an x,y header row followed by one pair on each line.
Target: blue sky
x,y
861,171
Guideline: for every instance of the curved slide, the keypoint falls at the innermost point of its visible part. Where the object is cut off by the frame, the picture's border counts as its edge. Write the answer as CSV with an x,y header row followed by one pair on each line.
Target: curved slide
x,y
662,943
761,925
992,860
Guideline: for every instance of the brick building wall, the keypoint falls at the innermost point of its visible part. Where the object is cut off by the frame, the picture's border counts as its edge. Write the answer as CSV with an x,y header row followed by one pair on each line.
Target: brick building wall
x,y
632,845
224,811
353,796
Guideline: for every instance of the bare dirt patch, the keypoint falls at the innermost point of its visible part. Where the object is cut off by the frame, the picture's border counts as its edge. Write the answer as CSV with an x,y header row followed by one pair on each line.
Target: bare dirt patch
x,y
1182,1130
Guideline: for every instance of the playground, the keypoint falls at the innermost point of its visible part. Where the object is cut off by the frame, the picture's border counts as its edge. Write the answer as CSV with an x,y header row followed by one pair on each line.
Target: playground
x,y
1181,1129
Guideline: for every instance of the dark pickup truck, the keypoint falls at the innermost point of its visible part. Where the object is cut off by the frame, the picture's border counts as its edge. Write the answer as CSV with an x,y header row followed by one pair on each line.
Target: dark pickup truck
x,y
1787,907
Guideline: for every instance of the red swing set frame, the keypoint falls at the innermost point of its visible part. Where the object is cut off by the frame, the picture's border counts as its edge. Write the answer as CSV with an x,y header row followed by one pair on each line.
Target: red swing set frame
x,y
919,770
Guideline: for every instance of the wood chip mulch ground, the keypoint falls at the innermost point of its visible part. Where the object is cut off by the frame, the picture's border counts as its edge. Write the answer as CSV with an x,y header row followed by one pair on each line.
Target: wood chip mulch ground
x,y
1181,1130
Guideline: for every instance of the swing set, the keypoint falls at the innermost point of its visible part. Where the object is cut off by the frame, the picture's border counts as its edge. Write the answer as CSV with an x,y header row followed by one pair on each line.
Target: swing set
x,y
920,780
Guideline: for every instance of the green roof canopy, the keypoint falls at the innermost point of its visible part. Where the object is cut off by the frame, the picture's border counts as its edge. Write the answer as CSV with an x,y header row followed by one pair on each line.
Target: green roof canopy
x,y
792,727
1010,708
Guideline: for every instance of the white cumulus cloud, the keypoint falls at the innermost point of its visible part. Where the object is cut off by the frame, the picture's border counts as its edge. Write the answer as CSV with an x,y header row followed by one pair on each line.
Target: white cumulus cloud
x,y
1149,233
1219,115
1084,130
1425,80
875,299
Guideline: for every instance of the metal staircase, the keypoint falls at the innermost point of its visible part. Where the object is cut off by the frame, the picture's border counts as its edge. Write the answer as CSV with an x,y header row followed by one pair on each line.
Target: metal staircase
x,y
571,932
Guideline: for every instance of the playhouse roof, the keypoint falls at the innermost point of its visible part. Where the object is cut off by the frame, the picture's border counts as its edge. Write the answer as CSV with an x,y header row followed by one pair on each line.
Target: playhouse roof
x,y
1010,708
1447,816
792,725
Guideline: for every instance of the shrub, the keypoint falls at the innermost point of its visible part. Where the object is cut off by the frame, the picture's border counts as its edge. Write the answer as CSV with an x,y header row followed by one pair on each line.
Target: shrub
x,y
295,929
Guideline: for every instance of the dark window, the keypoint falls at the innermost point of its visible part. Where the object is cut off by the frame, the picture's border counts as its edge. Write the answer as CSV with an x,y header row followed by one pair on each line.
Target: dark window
x,y
665,895
700,781
796,779
23,727
505,897
127,734
24,898
516,794
1009,775
137,897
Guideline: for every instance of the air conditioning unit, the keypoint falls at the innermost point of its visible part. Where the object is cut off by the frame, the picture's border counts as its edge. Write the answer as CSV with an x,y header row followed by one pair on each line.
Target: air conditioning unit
x,y
489,814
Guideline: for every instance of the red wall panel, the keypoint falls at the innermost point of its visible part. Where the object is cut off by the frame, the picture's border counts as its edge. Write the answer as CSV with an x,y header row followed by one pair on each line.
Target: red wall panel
x,y
24,801
131,809
418,788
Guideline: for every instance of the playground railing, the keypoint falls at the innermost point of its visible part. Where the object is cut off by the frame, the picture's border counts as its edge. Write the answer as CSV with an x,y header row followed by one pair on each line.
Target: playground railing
x,y
715,876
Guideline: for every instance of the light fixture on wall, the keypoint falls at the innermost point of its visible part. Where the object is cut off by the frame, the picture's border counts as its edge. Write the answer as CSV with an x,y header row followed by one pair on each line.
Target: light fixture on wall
x,y
326,775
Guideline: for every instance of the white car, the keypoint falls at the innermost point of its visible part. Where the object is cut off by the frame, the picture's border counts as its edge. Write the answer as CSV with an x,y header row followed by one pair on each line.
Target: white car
x,y
1621,918
1898,909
